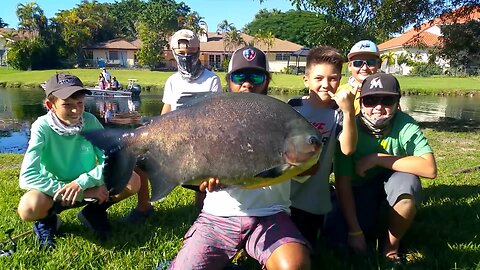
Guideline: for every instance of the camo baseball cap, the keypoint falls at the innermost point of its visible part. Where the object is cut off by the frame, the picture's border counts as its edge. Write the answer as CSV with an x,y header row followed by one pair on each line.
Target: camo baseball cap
x,y
380,84
248,57
63,85
187,35
364,47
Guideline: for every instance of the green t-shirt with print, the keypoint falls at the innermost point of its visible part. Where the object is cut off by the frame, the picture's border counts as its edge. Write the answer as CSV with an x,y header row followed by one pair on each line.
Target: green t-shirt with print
x,y
405,139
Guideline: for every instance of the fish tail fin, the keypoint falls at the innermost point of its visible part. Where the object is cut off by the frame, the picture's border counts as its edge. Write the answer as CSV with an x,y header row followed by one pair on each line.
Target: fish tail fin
x,y
119,162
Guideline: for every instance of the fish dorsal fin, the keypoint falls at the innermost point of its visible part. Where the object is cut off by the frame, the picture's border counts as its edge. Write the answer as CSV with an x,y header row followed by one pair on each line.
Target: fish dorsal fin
x,y
189,98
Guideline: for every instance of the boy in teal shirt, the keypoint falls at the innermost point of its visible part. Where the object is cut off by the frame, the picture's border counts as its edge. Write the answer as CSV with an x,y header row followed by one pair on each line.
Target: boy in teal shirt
x,y
61,169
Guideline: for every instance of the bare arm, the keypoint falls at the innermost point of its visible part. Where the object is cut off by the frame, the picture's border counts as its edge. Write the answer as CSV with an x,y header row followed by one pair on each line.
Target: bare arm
x,y
424,165
356,239
166,108
348,137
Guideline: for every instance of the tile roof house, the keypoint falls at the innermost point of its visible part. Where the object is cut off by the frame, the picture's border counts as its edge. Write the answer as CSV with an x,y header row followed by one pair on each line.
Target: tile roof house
x,y
118,52
7,36
121,52
417,41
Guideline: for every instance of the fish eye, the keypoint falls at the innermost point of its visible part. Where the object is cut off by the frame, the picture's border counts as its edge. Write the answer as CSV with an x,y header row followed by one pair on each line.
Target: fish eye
x,y
313,140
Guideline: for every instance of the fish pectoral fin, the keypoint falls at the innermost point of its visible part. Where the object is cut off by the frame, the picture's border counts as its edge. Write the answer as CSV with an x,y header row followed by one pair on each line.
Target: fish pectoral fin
x,y
274,172
119,166
160,187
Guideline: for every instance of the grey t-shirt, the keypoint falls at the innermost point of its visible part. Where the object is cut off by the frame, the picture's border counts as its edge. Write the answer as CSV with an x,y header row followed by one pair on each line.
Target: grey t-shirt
x,y
313,195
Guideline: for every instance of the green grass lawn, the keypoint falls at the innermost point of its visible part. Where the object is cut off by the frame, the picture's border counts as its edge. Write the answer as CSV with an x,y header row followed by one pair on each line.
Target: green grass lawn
x,y
445,235
154,81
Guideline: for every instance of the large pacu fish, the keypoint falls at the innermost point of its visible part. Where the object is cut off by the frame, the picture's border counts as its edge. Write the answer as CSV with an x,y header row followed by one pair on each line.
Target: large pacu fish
x,y
245,140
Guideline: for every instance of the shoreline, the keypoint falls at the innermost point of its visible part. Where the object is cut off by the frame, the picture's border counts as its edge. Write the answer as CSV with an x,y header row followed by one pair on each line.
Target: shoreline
x,y
277,90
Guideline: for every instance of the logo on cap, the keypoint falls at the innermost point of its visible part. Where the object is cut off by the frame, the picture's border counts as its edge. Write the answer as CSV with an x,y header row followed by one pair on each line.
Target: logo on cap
x,y
249,54
376,83
69,80
365,45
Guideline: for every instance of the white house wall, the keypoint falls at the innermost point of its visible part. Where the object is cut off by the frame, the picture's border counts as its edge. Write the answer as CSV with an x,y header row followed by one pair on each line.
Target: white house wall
x,y
416,54
281,66
434,30
126,56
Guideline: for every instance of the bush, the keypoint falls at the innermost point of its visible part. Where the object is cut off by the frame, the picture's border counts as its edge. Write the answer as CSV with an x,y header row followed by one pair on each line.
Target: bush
x,y
426,70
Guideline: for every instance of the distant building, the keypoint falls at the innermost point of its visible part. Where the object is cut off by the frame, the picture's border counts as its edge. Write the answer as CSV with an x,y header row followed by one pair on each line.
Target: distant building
x,y
121,52
7,37
416,42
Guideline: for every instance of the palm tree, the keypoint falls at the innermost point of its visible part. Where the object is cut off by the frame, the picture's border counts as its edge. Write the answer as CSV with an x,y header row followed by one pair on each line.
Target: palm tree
x,y
222,28
3,24
268,39
389,59
233,39
191,21
31,18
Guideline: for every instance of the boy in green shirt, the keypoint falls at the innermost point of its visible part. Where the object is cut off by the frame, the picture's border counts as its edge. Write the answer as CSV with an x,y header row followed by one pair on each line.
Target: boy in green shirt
x,y
391,156
61,169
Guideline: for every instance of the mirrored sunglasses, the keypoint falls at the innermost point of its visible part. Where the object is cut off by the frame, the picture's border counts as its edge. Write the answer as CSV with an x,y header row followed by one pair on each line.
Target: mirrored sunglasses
x,y
254,78
360,63
371,101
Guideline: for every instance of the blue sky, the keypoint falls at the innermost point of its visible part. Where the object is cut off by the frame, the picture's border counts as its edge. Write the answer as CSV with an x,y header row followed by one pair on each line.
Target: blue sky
x,y
239,12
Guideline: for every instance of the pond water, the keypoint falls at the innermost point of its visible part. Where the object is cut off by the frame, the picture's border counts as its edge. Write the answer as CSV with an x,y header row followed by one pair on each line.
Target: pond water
x,y
20,107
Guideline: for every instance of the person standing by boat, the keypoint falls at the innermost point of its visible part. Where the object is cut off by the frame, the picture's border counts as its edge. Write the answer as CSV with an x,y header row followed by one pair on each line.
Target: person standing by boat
x,y
191,76
106,74
102,84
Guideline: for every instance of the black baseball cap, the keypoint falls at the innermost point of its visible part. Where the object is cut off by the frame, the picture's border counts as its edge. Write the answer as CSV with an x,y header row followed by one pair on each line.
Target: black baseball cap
x,y
248,57
380,84
63,85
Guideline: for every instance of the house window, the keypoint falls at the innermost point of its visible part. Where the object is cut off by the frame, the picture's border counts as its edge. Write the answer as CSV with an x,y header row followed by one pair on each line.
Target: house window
x,y
282,56
214,61
88,54
113,55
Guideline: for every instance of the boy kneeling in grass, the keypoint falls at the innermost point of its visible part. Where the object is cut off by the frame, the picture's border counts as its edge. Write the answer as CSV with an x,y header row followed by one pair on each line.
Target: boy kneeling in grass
x,y
61,169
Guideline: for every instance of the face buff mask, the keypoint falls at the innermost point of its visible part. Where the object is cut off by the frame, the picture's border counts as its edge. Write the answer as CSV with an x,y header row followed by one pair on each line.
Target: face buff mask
x,y
62,129
189,66
376,126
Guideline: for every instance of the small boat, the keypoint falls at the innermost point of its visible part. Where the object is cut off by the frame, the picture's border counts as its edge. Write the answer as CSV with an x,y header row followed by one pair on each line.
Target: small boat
x,y
133,89
97,92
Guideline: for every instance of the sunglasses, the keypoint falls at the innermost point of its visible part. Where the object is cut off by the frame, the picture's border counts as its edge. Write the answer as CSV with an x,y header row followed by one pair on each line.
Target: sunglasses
x,y
371,101
254,78
369,63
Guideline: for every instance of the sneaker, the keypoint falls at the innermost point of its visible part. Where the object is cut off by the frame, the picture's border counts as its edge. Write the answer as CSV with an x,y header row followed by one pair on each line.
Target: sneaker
x,y
136,216
45,230
94,217
163,265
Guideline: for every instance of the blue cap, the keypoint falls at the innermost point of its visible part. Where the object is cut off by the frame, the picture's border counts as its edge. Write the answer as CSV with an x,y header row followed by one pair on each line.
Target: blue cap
x,y
364,47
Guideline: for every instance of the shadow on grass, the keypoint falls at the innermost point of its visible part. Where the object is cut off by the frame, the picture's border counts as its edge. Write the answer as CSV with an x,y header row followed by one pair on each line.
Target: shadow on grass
x,y
165,224
446,228
444,235
452,125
